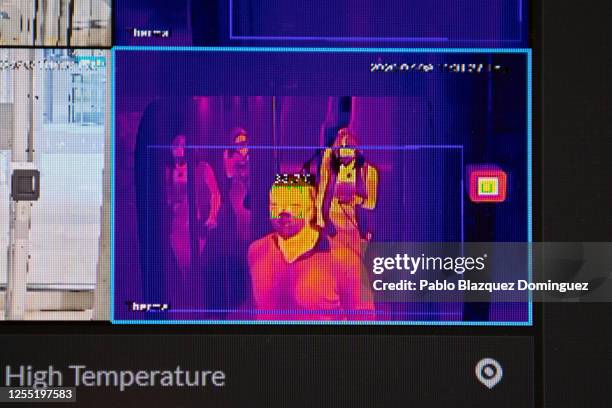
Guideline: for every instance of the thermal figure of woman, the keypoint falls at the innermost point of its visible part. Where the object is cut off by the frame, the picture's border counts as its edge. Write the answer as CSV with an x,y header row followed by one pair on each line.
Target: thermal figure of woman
x,y
347,185
207,204
236,166
296,274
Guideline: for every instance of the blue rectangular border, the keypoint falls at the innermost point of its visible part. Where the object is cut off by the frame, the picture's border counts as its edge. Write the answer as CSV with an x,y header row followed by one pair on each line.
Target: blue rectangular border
x,y
529,118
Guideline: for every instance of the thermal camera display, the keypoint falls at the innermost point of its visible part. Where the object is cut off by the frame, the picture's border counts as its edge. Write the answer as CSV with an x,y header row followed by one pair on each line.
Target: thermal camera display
x,y
56,23
258,207
439,23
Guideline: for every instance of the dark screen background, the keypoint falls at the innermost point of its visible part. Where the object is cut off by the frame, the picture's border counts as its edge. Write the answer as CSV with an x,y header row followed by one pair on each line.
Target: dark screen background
x,y
576,193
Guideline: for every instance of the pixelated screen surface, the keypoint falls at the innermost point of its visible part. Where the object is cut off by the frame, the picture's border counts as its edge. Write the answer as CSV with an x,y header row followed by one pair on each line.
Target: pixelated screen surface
x,y
251,206
440,23
56,23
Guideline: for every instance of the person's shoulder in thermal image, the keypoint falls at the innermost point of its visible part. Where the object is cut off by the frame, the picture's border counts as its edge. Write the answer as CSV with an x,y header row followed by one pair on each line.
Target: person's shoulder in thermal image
x,y
296,274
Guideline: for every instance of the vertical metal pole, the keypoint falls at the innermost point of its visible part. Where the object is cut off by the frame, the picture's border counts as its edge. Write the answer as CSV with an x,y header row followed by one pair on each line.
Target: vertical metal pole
x,y
62,23
41,16
50,23
69,22
25,16
36,92
101,310
35,21
20,211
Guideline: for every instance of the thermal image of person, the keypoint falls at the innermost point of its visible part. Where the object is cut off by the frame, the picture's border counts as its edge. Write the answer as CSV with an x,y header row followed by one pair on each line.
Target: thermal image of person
x,y
207,202
347,185
295,272
236,167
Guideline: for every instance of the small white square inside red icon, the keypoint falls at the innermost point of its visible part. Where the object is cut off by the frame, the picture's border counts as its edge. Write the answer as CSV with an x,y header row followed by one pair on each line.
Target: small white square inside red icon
x,y
488,186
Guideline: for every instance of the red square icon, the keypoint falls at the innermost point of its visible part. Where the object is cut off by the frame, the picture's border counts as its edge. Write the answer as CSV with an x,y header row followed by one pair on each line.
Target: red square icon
x,y
487,183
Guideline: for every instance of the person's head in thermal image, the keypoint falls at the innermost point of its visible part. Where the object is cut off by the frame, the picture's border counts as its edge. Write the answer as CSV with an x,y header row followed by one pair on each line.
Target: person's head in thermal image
x,y
291,208
296,274
344,146
241,139
178,148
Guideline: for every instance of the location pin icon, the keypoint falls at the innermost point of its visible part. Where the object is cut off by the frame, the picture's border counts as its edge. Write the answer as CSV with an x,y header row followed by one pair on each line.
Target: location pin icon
x,y
489,372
